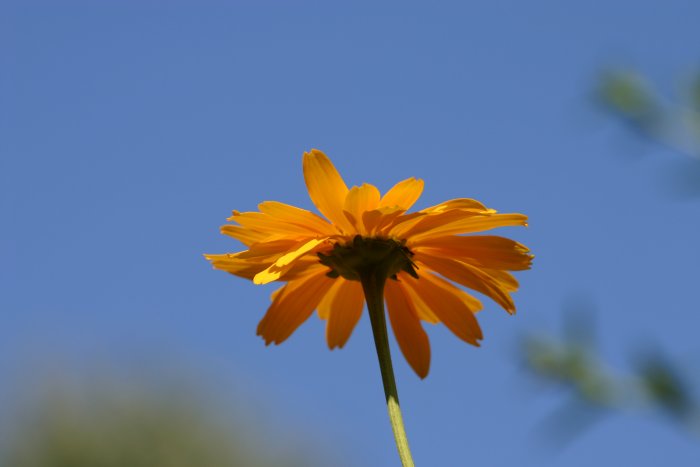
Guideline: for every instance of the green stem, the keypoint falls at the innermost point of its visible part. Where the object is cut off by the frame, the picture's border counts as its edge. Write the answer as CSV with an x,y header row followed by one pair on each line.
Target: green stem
x,y
373,286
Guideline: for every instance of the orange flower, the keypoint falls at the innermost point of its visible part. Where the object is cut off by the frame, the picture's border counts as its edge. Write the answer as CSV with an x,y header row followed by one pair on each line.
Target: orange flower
x,y
421,252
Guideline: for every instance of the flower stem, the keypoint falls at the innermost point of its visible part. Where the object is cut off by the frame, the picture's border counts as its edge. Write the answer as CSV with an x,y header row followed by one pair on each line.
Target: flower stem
x,y
373,286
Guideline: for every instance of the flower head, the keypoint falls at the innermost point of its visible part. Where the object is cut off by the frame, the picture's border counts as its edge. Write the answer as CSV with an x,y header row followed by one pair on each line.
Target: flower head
x,y
421,254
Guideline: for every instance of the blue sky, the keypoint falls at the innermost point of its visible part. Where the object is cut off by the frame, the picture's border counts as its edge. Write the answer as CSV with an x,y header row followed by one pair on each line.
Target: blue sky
x,y
130,130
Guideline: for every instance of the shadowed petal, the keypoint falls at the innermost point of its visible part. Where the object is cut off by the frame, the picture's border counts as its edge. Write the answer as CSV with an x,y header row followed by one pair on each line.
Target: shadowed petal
x,y
412,339
488,251
359,200
378,219
470,276
454,307
292,305
343,308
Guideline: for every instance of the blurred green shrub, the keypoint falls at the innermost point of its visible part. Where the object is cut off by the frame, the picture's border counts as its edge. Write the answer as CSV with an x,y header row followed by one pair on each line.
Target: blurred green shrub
x,y
132,426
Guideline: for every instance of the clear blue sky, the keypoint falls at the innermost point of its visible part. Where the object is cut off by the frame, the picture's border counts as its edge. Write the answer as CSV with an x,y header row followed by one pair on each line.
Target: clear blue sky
x,y
129,131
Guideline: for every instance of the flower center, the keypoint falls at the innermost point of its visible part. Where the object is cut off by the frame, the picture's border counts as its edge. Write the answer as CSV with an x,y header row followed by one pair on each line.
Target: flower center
x,y
369,255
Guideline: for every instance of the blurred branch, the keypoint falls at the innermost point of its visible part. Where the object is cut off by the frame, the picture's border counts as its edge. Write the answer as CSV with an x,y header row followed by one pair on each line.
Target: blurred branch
x,y
655,382
630,97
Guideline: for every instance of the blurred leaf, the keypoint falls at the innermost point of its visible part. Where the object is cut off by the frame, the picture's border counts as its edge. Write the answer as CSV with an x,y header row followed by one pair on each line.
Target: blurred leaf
x,y
665,386
628,94
695,94
573,365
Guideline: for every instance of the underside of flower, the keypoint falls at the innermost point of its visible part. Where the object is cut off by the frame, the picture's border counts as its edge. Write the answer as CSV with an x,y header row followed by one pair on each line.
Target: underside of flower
x,y
381,257
324,263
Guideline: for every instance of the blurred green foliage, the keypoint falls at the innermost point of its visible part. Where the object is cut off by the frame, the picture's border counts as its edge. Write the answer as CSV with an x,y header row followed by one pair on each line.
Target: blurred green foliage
x,y
628,95
573,361
575,364
133,426
672,122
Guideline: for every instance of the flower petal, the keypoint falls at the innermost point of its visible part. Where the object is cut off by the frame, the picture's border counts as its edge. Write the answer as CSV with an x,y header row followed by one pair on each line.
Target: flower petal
x,y
293,305
231,263
377,220
469,276
412,339
454,307
272,248
343,306
460,203
360,200
402,224
286,261
460,221
488,251
326,187
272,227
295,215
423,312
403,194
305,265
505,278
242,234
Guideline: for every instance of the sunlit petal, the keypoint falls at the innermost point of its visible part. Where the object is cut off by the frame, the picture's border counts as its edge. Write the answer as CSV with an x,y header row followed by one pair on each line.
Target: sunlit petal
x,y
403,194
326,188
286,261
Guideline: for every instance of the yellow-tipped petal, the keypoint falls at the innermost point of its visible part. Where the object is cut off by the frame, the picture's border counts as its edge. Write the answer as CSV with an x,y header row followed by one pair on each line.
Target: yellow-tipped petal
x,y
412,339
404,194
360,200
246,269
326,188
286,261
273,248
293,305
305,265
